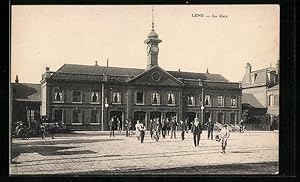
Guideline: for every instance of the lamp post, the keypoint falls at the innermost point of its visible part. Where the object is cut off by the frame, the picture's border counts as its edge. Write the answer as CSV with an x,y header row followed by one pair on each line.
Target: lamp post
x,y
202,114
106,106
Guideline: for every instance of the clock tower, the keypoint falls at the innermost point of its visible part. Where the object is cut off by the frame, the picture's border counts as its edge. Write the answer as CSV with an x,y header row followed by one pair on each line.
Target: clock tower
x,y
152,47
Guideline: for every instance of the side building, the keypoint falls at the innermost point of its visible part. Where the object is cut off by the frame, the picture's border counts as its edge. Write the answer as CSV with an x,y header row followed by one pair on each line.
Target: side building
x,y
26,102
87,96
260,90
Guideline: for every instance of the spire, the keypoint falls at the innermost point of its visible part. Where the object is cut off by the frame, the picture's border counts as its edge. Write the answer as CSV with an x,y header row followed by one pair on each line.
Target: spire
x,y
152,19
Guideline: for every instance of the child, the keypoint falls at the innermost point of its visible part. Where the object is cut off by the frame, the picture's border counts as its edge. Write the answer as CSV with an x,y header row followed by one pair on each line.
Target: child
x,y
224,135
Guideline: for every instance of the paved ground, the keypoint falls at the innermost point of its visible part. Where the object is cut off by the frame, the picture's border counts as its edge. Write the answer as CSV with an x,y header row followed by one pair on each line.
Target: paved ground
x,y
96,153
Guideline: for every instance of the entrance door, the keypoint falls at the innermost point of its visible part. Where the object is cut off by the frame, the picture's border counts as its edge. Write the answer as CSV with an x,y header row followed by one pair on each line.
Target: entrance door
x,y
116,115
206,117
139,115
58,115
170,115
232,118
221,118
191,117
153,115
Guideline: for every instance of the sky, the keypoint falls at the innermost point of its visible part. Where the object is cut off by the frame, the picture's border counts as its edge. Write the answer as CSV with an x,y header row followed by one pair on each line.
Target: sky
x,y
52,36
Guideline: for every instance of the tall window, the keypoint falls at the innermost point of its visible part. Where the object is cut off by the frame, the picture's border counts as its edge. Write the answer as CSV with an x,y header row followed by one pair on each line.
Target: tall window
x,y
233,101
191,100
77,116
140,98
95,96
207,101
76,96
94,116
171,99
276,100
116,97
155,98
58,95
271,100
30,115
220,101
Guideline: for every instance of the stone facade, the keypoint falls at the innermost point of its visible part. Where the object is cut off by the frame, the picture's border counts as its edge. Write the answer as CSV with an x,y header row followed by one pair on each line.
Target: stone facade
x,y
86,97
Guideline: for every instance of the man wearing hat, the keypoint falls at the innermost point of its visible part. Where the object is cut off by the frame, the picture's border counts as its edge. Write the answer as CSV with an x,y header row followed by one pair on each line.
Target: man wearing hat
x,y
224,135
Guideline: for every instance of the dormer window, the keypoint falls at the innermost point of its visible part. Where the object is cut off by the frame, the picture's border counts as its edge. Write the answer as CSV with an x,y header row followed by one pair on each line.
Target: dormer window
x,y
253,78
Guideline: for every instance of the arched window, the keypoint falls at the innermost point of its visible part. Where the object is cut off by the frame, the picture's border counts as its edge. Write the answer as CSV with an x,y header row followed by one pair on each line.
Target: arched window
x,y
155,98
171,98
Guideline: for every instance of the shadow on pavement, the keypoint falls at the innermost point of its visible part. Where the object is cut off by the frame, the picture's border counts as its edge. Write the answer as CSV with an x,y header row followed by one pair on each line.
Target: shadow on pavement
x,y
269,168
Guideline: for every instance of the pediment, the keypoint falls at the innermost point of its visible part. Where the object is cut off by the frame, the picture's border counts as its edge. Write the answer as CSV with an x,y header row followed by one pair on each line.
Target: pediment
x,y
155,76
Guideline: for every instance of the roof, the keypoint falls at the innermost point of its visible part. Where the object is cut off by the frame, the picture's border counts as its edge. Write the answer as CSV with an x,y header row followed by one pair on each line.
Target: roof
x,y
99,70
133,72
261,78
202,76
252,100
27,91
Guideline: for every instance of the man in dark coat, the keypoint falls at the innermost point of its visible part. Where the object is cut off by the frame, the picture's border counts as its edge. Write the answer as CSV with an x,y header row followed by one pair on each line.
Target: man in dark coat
x,y
111,125
183,128
127,127
151,128
196,130
210,129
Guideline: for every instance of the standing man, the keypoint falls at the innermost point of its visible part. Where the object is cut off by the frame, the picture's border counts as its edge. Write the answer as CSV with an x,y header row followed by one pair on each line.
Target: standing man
x,y
210,129
196,130
111,124
157,130
137,129
163,128
242,126
183,128
224,135
119,125
142,132
126,125
151,128
130,126
187,125
173,125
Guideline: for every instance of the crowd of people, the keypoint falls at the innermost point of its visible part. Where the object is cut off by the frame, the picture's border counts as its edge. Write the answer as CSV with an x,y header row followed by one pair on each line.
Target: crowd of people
x,y
168,127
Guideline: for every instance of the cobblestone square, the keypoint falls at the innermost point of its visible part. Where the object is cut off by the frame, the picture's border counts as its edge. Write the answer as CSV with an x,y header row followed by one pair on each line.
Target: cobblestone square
x,y
95,153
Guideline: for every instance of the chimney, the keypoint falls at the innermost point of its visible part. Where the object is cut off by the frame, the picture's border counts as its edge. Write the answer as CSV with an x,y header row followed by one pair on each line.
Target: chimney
x,y
207,71
47,69
179,70
248,68
17,79
96,63
107,62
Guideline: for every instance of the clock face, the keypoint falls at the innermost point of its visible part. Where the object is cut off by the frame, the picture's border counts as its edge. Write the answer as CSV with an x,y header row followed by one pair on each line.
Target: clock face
x,y
156,76
154,49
